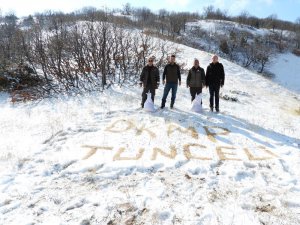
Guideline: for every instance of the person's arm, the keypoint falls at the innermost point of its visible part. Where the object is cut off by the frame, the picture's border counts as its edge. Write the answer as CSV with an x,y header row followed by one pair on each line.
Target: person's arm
x,y
157,76
142,77
207,76
203,77
164,74
188,79
178,74
222,75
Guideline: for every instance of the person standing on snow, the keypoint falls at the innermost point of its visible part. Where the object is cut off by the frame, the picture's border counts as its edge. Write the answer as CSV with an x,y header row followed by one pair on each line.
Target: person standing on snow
x,y
171,78
215,77
149,80
195,79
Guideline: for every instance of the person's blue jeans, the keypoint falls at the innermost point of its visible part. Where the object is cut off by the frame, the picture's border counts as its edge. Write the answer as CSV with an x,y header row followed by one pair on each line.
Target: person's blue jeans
x,y
167,89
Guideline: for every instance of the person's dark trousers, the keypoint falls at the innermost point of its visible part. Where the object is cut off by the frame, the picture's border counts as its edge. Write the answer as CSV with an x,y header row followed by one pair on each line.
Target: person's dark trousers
x,y
214,91
194,91
144,94
167,89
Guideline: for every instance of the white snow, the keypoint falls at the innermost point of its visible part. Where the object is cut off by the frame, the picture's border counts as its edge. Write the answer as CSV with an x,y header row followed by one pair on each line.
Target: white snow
x,y
286,68
149,105
222,27
197,104
98,159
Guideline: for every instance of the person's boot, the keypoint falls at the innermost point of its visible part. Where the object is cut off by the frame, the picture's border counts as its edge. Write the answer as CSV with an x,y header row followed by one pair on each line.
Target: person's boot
x,y
172,105
162,104
211,108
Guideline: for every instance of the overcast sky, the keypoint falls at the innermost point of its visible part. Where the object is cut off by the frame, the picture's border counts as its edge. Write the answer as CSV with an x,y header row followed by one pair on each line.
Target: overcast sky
x,y
285,9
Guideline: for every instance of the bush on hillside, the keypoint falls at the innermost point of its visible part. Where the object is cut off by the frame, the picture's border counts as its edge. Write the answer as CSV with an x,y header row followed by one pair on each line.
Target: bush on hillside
x,y
296,52
224,46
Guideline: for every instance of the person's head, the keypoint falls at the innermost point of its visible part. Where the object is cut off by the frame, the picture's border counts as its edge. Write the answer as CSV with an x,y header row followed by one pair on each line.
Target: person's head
x,y
215,59
150,61
172,59
196,63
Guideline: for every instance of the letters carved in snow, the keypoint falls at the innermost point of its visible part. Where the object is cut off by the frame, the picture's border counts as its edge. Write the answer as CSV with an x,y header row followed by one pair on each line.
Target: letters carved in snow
x,y
191,151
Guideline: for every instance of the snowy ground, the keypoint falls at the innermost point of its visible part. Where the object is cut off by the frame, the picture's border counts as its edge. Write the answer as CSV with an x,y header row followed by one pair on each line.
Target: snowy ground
x,y
286,67
222,27
98,159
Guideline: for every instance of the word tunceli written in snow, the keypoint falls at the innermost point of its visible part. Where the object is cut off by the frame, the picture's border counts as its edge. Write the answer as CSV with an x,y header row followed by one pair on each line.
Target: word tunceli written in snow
x,y
195,150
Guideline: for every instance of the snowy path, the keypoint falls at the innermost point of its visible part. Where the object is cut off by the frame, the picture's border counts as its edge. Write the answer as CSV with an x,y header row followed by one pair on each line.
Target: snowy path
x,y
99,160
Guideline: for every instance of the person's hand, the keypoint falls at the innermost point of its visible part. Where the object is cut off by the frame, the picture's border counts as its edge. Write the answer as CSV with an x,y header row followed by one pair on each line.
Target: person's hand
x,y
164,82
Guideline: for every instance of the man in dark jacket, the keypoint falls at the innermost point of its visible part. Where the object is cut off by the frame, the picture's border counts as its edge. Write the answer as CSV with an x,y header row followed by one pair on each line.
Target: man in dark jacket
x,y
196,79
171,78
214,79
149,79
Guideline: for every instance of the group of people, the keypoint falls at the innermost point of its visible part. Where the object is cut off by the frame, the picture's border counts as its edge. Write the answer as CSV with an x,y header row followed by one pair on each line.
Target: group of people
x,y
197,78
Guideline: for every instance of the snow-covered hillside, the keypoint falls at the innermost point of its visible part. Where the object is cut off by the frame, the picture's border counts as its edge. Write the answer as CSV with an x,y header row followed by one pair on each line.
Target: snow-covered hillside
x,y
222,27
285,66
98,159
287,70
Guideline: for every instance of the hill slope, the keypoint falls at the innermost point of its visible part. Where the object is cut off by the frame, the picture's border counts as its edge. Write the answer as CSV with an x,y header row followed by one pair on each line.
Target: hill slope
x,y
98,159
208,35
286,67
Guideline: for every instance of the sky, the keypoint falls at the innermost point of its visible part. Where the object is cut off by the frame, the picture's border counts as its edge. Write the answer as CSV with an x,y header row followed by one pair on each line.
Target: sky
x,y
284,9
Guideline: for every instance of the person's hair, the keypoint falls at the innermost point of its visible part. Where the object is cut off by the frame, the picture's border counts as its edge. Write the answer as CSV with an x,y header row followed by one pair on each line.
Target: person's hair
x,y
173,56
214,57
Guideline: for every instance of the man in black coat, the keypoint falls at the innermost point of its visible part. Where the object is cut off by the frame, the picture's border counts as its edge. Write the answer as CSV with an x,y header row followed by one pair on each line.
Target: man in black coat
x,y
215,77
149,79
195,79
171,79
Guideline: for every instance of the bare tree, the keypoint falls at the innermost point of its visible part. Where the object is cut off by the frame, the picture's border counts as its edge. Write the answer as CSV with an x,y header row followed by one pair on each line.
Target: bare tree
x,y
127,9
144,16
272,21
163,20
248,53
208,12
297,36
28,21
1,16
263,54
211,13
243,17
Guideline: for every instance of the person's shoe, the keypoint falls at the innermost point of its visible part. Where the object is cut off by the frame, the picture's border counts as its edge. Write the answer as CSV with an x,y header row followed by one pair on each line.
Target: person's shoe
x,y
172,105
163,104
